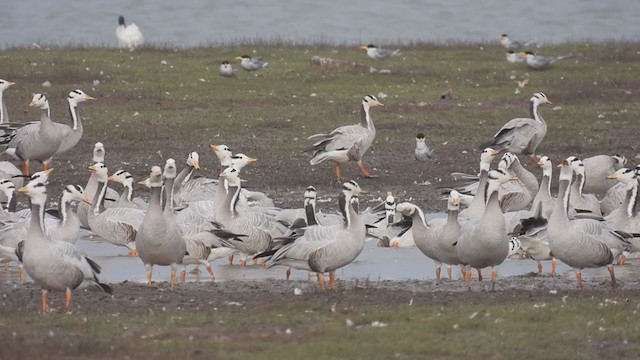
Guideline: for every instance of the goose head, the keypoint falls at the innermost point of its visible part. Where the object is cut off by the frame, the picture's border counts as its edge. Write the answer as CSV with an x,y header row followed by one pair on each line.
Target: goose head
x,y
78,96
624,175
122,177
546,165
40,101
223,153
74,193
310,195
507,160
42,176
232,175
155,178
498,177
352,188
454,200
486,157
170,169
406,208
37,191
193,160
4,85
539,97
100,170
239,161
619,161
576,165
370,101
566,171
98,153
7,188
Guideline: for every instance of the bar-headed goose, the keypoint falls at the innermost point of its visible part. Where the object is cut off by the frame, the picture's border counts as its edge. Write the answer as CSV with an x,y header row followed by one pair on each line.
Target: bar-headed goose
x,y
157,241
4,115
54,265
524,135
484,242
581,243
476,208
71,135
596,170
324,249
347,143
615,196
91,188
578,199
516,195
126,198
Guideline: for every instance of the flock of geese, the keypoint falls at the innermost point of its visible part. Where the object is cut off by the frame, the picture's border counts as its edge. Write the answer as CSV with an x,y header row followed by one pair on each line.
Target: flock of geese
x,y
592,221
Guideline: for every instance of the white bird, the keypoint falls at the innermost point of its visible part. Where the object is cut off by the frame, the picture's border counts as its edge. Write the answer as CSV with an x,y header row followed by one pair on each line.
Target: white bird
x,y
524,135
513,45
250,64
422,151
596,170
514,57
129,36
54,265
376,53
539,62
4,115
91,188
347,143
226,70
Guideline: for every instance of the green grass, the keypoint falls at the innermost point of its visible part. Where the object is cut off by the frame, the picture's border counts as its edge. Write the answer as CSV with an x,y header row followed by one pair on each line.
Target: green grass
x,y
585,329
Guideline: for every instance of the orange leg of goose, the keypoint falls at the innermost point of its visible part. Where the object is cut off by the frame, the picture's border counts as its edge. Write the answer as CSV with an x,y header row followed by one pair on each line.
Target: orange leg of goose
x,y
534,159
45,300
539,267
554,264
25,168
332,280
230,257
321,279
449,272
438,270
623,259
467,276
6,266
288,273
364,171
479,274
21,274
494,277
67,303
613,276
183,275
243,262
579,279
173,279
197,269
338,173
133,253
210,271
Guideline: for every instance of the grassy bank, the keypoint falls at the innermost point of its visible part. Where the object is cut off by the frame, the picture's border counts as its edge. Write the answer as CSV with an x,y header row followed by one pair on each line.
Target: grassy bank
x,y
576,328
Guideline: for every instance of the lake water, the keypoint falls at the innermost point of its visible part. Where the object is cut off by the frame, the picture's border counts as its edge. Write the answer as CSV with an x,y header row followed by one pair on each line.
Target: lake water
x,y
196,22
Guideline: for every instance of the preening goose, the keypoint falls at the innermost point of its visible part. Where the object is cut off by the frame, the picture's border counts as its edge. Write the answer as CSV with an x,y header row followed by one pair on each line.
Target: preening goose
x,y
54,265
578,199
159,242
376,53
116,226
580,243
524,135
37,141
347,143
516,195
129,36
484,242
324,249
596,170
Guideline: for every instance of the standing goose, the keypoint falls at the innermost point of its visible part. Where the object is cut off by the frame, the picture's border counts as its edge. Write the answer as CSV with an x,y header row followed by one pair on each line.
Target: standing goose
x,y
324,249
615,196
54,265
37,141
578,243
116,226
157,242
445,244
484,242
596,170
543,202
516,195
91,188
347,143
129,36
524,135
627,216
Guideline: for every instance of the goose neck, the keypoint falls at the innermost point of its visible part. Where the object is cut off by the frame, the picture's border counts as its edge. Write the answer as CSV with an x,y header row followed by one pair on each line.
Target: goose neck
x,y
73,111
98,199
63,206
533,109
366,120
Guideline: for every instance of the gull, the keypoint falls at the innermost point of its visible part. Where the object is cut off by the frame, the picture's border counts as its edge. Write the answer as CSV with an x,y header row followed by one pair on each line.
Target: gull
x,y
376,53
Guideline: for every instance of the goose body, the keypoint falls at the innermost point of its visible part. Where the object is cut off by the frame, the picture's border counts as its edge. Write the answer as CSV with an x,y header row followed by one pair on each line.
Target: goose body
x,y
476,207
347,143
523,135
54,265
596,170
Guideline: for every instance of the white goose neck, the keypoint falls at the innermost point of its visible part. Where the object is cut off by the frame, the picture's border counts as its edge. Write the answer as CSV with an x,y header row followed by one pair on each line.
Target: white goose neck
x,y
73,110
